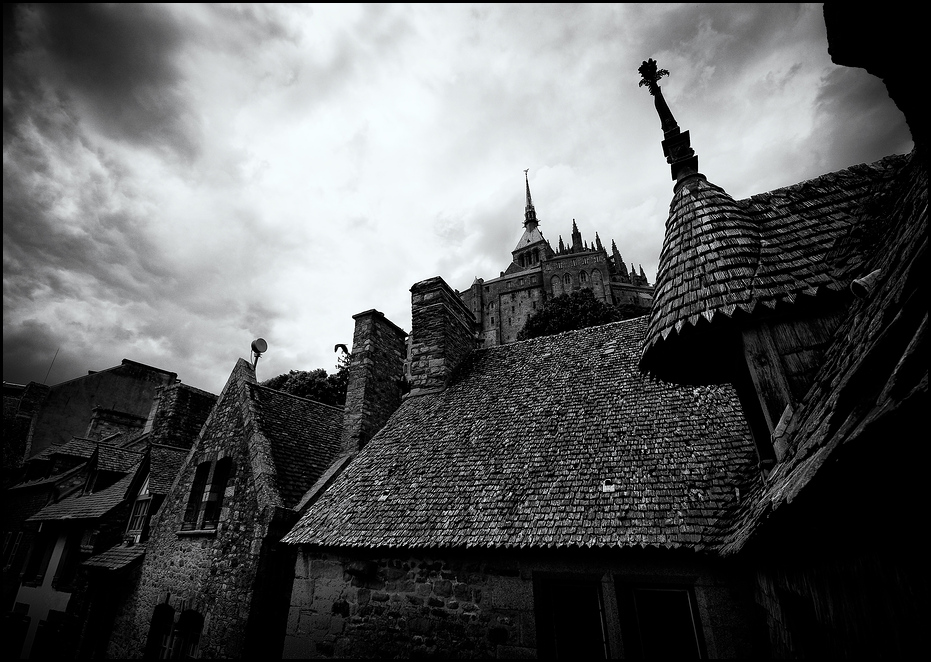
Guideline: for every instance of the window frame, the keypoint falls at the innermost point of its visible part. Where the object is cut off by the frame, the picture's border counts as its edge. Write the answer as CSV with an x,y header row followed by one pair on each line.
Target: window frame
x,y
204,508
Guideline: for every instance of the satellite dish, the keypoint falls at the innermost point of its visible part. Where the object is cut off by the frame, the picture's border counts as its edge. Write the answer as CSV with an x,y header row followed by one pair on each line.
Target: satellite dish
x,y
259,345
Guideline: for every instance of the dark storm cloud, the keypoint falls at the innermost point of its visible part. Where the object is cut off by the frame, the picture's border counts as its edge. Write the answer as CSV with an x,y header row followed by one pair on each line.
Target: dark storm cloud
x,y
118,64
42,246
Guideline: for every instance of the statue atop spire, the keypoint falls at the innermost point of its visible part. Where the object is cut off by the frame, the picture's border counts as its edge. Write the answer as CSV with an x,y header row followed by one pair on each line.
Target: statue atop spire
x,y
530,214
676,145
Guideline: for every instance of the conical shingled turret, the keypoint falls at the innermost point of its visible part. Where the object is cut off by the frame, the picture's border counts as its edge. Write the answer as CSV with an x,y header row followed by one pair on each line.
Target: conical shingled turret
x,y
725,261
698,272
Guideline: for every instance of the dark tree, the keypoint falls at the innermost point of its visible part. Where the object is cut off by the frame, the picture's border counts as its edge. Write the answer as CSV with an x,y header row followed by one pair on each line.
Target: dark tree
x,y
316,384
569,312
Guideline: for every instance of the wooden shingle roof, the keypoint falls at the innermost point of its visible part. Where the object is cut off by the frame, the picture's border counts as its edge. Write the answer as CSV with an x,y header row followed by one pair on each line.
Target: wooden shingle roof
x,y
723,259
875,369
164,466
303,436
86,506
552,442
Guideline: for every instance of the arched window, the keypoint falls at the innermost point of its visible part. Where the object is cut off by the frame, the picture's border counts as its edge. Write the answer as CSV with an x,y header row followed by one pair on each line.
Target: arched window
x,y
556,284
173,636
567,282
163,620
583,278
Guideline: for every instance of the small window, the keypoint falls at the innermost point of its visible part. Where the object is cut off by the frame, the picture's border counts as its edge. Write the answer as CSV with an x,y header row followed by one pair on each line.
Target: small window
x,y
196,498
139,518
182,643
39,557
67,568
205,503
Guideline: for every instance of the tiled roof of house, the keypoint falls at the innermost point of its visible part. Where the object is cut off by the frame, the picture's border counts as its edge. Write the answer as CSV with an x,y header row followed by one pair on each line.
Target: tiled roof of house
x,y
875,367
515,452
86,506
110,458
164,466
303,435
75,447
723,258
117,558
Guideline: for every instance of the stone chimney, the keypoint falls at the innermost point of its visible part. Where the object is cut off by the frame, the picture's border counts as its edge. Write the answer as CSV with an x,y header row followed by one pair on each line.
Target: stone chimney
x,y
376,371
442,334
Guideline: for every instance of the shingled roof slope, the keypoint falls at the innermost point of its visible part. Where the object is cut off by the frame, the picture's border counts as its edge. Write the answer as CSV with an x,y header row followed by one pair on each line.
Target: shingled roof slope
x,y
86,506
515,452
164,466
111,458
303,435
876,367
723,258
117,557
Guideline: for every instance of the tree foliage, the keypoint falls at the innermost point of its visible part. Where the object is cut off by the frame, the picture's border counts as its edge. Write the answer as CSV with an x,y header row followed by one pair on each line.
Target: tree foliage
x,y
568,312
316,384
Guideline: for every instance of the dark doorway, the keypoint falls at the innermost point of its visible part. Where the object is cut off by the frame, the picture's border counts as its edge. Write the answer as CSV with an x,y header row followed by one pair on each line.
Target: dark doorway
x,y
569,619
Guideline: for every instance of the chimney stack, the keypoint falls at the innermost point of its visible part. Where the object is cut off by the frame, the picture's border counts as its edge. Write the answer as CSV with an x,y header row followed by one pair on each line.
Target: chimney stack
x,y
376,371
442,334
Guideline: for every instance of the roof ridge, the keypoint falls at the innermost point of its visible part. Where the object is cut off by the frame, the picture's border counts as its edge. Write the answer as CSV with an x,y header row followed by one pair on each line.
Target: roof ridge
x,y
296,397
858,169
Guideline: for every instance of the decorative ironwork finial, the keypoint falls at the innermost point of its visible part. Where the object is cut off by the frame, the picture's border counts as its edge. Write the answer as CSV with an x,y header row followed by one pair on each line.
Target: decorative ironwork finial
x,y
650,75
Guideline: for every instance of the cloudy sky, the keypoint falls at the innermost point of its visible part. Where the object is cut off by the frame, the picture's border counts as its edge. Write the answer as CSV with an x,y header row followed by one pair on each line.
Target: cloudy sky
x,y
178,180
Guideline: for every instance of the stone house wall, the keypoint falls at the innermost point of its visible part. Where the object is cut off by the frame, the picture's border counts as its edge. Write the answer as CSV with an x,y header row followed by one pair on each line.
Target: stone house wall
x,y
482,604
211,572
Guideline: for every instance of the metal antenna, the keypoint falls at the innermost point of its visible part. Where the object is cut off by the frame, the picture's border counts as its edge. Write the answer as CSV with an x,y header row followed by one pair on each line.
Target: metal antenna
x,y
50,366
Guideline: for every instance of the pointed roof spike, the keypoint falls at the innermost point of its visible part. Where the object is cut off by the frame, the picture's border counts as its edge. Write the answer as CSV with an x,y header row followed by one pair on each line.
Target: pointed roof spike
x,y
530,214
598,242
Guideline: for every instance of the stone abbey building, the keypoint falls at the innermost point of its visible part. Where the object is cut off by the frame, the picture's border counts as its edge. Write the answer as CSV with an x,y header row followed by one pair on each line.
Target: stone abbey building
x,y
502,305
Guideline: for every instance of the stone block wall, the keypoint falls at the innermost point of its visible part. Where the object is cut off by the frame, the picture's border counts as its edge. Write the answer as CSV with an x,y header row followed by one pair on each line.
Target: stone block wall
x,y
482,604
180,415
211,572
376,370
442,333
408,607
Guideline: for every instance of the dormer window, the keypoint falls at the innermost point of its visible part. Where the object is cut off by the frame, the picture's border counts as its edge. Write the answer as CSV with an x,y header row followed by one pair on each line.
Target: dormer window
x,y
205,502
139,519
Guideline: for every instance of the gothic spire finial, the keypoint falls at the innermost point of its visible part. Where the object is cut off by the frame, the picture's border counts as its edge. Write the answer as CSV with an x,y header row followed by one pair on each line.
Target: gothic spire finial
x,y
530,214
676,145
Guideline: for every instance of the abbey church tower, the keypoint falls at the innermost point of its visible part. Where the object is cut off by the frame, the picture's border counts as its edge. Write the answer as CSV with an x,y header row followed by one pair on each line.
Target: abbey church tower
x,y
537,273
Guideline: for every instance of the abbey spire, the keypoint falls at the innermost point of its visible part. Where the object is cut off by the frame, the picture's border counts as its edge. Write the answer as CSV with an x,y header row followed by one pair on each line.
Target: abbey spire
x,y
530,214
